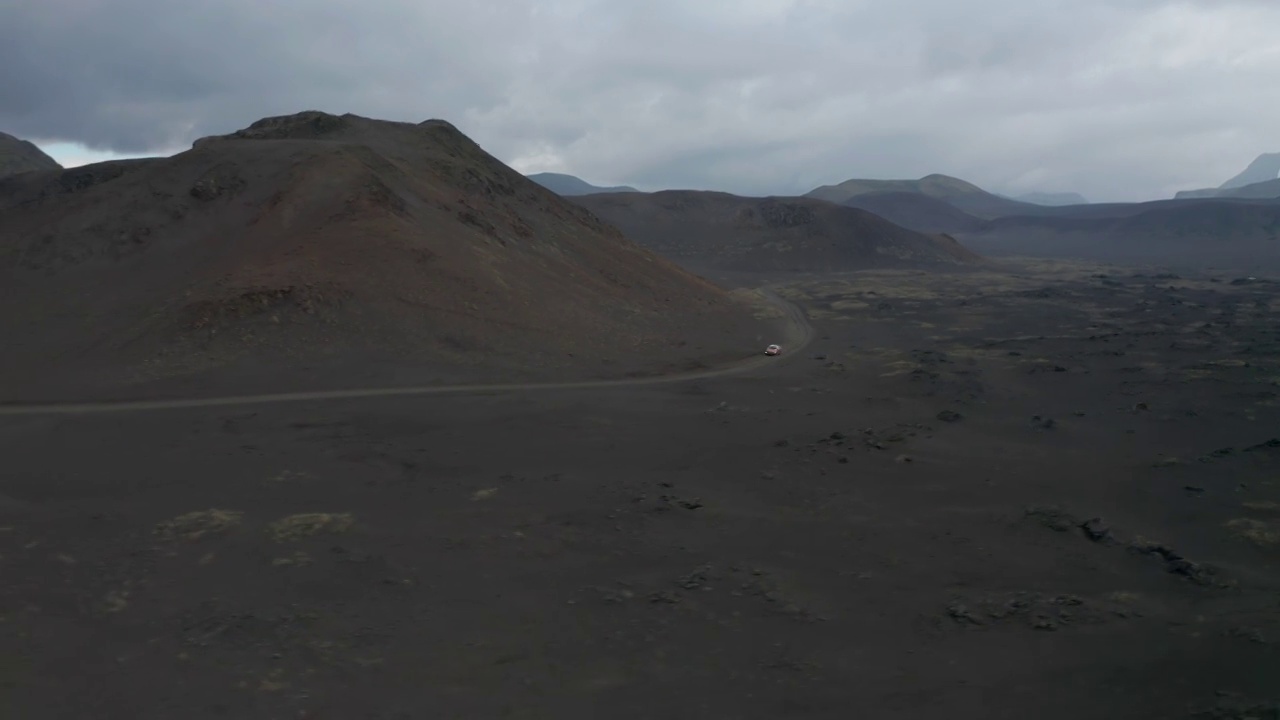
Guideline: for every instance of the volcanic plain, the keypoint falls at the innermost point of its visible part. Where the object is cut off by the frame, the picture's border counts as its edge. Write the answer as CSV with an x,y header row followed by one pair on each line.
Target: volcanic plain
x,y
1013,490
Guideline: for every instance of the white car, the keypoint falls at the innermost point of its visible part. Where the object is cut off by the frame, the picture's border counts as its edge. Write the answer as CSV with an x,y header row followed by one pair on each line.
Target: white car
x,y
773,350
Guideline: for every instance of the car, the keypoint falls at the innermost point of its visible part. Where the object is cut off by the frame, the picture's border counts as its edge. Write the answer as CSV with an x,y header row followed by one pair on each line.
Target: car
x,y
773,350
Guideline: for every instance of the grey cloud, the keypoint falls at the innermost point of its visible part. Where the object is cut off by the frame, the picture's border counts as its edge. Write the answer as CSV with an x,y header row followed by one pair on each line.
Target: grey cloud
x,y
1113,98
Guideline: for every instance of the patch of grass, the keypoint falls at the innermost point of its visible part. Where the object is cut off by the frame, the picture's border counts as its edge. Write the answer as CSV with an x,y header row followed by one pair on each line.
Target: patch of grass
x,y
1258,532
298,559
195,525
274,681
296,527
114,602
850,305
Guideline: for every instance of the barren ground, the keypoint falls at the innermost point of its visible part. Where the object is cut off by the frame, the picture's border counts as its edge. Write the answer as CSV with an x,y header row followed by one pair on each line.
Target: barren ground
x,y
1025,492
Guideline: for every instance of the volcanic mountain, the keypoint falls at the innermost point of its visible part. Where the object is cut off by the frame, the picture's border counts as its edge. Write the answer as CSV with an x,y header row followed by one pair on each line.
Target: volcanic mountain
x,y
715,232
960,194
320,250
20,156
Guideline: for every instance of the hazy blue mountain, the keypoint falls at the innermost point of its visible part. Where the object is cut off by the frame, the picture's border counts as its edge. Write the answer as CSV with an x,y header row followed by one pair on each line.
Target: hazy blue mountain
x,y
1263,169
1053,199
569,185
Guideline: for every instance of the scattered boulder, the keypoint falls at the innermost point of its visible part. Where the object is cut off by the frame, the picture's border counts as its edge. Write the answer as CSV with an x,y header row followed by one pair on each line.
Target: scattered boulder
x,y
949,416
1039,611
1096,530
961,614
1176,564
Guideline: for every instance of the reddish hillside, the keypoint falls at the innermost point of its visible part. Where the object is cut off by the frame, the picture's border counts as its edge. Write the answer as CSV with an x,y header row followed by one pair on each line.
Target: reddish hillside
x,y
338,249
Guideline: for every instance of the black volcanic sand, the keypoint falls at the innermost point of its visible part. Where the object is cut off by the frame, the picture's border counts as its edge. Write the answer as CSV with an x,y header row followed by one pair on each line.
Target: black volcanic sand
x,y
1047,492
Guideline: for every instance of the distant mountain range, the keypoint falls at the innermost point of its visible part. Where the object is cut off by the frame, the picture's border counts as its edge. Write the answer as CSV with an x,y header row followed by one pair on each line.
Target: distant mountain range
x,y
569,186
1259,180
1237,227
1207,232
1053,199
20,156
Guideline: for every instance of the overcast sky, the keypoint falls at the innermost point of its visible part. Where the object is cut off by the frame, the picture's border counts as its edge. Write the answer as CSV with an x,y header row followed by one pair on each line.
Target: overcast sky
x,y
1116,99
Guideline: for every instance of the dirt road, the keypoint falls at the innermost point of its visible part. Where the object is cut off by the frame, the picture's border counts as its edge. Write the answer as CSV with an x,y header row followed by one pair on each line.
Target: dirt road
x,y
800,334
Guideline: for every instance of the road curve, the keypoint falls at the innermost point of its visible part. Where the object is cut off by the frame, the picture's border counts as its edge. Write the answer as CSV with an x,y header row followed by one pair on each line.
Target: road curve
x,y
799,336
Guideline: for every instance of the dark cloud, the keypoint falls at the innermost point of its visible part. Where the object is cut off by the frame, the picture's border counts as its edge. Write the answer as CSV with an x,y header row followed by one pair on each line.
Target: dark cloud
x,y
1113,98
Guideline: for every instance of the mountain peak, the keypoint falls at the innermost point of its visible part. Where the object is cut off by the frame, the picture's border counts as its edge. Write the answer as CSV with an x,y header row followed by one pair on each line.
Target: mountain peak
x,y
20,156
1263,168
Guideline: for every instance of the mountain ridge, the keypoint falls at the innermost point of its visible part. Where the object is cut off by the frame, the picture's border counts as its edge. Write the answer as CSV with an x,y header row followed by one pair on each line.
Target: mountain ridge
x,y
569,185
714,231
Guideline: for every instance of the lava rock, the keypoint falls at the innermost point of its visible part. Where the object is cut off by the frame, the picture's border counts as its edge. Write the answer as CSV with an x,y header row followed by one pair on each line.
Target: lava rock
x,y
1096,530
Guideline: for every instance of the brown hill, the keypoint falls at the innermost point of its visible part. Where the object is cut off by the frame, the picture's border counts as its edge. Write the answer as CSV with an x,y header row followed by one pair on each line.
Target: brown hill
x,y
21,156
963,195
713,231
315,249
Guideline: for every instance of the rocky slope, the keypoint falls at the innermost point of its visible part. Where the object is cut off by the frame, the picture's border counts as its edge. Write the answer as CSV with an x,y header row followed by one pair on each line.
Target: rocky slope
x,y
21,156
336,250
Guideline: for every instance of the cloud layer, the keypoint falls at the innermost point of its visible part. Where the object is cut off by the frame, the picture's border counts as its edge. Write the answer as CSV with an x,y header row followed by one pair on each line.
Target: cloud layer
x,y
1117,99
